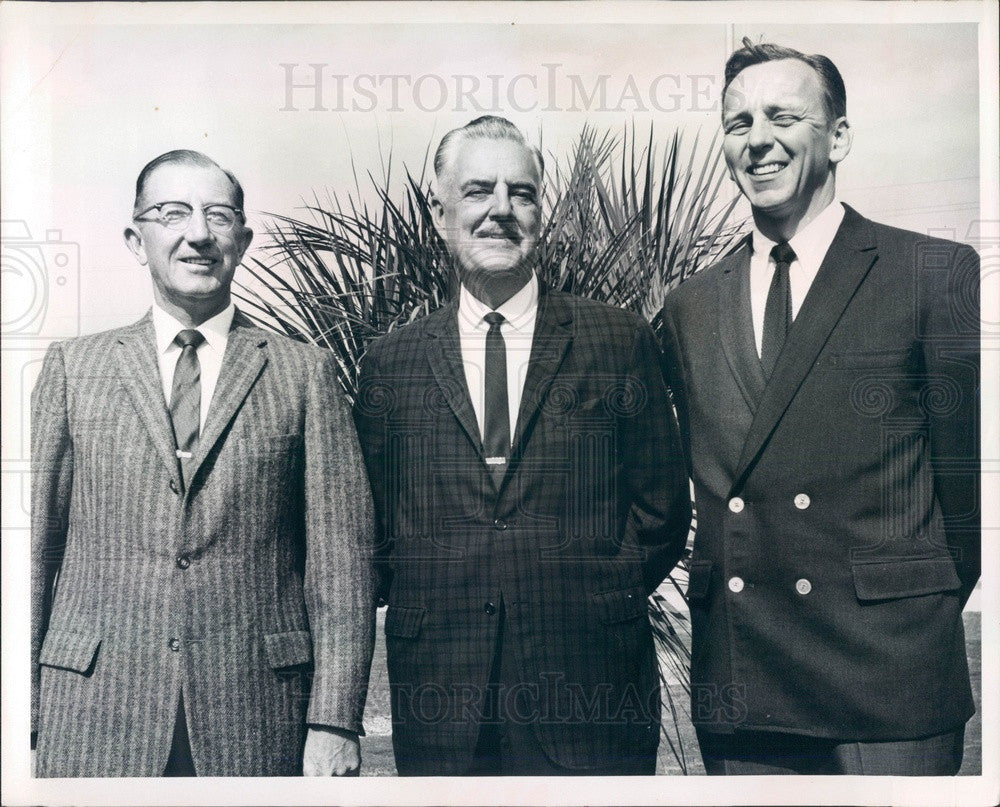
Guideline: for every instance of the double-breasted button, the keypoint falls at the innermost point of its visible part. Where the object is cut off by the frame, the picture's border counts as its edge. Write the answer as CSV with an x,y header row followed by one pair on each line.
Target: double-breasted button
x,y
174,644
803,586
174,486
500,524
736,584
736,504
802,501
490,608
183,562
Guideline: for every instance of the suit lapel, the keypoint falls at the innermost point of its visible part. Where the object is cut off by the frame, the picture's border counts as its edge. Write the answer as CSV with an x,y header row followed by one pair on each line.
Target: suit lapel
x,y
444,354
140,376
736,326
550,342
849,259
242,363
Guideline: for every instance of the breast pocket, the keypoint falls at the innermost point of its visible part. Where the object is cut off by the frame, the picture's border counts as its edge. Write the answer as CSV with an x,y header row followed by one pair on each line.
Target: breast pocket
x,y
861,360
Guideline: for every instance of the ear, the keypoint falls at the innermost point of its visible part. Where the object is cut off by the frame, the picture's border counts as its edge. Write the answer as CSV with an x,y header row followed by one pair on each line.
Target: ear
x,y
437,210
133,240
243,240
841,139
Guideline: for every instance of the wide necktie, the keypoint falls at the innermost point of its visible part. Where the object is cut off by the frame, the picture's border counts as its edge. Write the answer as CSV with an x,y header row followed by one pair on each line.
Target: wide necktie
x,y
185,399
778,309
496,431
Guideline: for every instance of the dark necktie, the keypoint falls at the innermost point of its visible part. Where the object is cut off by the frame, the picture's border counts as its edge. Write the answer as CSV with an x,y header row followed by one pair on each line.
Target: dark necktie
x,y
778,310
185,399
496,437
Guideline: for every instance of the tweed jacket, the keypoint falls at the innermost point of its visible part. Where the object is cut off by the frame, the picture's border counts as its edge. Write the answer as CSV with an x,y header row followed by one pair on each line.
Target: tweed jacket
x,y
238,592
592,514
838,520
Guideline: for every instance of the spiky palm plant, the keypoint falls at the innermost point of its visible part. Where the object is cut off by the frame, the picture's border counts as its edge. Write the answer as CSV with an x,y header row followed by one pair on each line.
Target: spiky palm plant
x,y
622,223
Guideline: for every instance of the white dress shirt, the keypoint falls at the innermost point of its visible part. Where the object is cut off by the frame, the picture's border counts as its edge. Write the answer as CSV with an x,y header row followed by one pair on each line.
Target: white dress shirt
x,y
811,244
210,352
518,330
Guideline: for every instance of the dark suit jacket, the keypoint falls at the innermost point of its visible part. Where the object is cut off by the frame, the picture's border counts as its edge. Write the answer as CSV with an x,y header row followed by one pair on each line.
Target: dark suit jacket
x,y
230,592
591,516
838,521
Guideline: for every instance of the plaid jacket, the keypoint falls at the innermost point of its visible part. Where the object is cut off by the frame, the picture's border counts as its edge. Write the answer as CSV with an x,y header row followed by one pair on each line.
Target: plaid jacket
x,y
232,592
592,515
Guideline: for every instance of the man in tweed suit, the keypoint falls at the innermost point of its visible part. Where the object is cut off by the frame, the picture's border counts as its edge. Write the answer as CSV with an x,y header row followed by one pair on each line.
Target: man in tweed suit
x,y
530,491
835,457
201,525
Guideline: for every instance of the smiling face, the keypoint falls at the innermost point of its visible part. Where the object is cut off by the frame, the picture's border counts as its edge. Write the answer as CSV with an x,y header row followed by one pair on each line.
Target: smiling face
x,y
780,144
486,208
192,269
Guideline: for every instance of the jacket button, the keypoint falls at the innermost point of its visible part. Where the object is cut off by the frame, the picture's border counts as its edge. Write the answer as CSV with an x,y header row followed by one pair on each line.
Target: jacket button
x,y
736,504
490,608
803,586
174,644
802,501
736,584
174,486
500,524
183,562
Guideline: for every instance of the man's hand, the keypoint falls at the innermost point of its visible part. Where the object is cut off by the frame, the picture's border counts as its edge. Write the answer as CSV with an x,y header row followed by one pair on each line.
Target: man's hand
x,y
331,752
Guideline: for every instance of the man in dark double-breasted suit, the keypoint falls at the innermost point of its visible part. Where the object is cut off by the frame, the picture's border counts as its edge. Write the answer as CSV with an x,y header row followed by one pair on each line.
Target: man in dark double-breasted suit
x,y
201,524
530,493
826,376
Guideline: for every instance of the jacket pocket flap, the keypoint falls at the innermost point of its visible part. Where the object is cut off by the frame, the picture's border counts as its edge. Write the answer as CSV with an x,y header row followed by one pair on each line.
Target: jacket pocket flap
x,y
622,605
70,651
699,579
904,578
403,621
288,649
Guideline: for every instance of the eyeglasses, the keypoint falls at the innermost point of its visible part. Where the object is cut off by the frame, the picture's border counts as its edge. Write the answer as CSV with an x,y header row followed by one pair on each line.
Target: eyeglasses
x,y
177,216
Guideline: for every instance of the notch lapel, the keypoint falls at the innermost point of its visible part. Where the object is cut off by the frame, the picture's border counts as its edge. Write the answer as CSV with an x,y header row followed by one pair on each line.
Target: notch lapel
x,y
736,326
444,354
140,376
848,261
549,345
242,363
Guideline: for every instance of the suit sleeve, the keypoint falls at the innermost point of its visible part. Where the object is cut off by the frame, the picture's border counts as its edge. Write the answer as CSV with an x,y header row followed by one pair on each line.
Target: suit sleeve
x,y
660,514
373,394
51,486
951,398
338,573
673,371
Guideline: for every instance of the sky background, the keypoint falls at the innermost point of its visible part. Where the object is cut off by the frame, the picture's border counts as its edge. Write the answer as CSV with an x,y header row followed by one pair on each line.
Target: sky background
x,y
86,106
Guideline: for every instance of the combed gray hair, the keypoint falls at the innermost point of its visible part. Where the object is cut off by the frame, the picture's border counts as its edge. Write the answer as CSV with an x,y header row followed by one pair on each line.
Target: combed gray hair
x,y
487,127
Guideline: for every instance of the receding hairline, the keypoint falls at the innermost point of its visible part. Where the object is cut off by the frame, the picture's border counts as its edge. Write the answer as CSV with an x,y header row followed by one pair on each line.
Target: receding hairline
x,y
184,157
789,59
833,91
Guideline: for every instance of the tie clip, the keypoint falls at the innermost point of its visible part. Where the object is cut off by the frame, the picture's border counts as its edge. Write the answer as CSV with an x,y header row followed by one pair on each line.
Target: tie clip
x,y
496,460
183,455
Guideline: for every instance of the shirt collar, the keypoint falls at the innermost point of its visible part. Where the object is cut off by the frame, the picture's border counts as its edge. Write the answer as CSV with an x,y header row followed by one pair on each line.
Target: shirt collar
x,y
812,242
519,310
215,330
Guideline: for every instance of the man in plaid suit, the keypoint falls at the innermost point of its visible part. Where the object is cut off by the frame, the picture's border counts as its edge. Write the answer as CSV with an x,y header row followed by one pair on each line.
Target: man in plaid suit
x,y
201,524
530,494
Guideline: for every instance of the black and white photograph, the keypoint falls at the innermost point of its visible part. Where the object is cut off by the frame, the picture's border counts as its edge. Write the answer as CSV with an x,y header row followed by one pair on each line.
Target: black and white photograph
x,y
482,403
